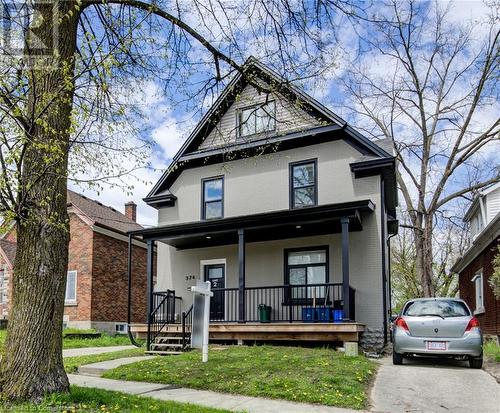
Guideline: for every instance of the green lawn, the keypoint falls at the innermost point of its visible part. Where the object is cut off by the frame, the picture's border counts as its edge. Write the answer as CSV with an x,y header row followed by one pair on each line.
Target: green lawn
x,y
293,373
71,364
492,351
93,400
103,341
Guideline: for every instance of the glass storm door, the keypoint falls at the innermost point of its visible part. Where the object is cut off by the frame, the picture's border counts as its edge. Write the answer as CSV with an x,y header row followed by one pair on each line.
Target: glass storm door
x,y
216,274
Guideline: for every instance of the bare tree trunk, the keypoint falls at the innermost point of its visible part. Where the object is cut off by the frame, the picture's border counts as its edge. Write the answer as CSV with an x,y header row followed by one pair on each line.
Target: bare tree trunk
x,y
33,364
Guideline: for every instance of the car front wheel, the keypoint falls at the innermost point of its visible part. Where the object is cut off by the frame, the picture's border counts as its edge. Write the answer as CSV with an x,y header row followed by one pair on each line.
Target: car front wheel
x,y
397,358
476,362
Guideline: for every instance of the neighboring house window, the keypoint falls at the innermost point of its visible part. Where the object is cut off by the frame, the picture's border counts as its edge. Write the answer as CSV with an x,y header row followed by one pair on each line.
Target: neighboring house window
x,y
257,119
305,267
71,287
303,184
213,198
478,287
3,283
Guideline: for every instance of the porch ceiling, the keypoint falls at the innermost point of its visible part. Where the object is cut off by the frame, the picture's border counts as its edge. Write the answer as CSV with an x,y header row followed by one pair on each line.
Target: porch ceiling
x,y
319,220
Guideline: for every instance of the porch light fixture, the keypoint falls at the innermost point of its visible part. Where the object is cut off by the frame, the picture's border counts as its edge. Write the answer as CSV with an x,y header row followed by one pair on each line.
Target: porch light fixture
x,y
298,226
208,237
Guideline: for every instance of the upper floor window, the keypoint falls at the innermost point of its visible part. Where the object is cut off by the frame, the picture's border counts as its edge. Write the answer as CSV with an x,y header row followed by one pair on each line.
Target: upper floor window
x,y
478,288
213,198
71,288
303,184
257,119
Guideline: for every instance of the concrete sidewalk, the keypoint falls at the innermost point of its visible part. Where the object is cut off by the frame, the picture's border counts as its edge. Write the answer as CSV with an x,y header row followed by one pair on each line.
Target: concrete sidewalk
x,y
87,351
99,368
203,397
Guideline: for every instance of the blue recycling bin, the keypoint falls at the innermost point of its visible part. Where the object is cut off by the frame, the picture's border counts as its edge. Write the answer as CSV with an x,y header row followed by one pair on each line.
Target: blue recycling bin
x,y
338,316
308,314
323,314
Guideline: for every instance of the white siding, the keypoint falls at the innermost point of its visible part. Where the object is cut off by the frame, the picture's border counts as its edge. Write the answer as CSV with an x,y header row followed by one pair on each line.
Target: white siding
x,y
289,117
492,205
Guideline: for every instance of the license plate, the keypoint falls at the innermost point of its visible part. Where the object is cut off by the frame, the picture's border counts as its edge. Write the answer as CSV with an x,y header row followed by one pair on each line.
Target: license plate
x,y
436,345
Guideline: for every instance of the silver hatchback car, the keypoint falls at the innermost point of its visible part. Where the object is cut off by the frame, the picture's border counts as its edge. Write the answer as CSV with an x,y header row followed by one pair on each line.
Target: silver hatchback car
x,y
443,327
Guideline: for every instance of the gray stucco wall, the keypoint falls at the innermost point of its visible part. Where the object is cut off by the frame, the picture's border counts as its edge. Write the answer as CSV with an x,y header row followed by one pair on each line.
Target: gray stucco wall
x,y
260,184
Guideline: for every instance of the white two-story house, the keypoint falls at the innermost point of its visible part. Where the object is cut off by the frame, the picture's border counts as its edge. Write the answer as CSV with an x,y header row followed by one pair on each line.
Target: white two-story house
x,y
285,209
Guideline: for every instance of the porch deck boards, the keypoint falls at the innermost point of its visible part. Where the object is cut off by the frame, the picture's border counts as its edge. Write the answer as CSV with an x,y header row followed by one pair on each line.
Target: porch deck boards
x,y
272,331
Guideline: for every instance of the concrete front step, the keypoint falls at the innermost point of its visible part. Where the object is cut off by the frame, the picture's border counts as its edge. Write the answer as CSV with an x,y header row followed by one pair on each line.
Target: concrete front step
x,y
98,369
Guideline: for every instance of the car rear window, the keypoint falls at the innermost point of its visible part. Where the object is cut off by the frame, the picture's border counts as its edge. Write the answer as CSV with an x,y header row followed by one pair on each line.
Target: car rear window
x,y
441,308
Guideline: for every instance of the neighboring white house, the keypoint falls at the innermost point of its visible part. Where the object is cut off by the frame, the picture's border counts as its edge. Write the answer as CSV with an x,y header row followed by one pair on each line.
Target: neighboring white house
x,y
277,201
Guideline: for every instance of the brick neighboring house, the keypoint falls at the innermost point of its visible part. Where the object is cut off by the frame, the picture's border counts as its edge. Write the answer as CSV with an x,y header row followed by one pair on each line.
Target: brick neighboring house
x,y
96,290
476,265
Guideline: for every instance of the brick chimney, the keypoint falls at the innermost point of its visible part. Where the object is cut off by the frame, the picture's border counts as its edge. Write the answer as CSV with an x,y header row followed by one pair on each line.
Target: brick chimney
x,y
131,210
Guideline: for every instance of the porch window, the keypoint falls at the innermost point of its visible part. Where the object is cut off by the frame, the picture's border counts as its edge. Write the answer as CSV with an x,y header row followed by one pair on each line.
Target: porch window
x,y
257,119
213,198
303,184
306,267
478,287
70,297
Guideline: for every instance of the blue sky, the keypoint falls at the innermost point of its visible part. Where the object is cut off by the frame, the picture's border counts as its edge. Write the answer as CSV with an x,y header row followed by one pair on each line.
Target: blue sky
x,y
168,124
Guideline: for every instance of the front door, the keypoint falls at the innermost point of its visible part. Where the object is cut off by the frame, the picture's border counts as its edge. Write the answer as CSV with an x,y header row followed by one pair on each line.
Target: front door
x,y
216,274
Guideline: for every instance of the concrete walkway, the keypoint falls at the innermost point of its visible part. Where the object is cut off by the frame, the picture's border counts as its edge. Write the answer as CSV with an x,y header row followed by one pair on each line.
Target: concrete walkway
x,y
98,369
203,397
429,385
87,351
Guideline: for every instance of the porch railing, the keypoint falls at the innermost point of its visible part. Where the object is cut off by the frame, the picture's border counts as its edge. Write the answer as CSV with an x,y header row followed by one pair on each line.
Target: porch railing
x,y
165,309
288,303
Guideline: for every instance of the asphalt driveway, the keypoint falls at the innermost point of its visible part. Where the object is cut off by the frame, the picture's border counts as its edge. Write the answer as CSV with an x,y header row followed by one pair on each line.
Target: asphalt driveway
x,y
428,385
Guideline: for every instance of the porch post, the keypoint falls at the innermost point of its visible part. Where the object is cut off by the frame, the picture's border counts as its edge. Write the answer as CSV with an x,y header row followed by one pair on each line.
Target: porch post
x,y
149,275
345,267
241,270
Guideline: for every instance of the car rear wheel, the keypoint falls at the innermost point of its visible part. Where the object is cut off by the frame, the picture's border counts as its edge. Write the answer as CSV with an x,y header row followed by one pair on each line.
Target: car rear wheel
x,y
397,358
476,362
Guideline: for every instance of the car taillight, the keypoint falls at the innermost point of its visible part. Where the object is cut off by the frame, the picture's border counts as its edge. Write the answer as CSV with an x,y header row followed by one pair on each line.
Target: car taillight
x,y
401,323
474,322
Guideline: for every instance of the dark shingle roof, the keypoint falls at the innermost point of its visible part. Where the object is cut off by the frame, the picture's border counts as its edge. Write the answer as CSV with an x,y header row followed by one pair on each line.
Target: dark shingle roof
x,y
9,249
100,214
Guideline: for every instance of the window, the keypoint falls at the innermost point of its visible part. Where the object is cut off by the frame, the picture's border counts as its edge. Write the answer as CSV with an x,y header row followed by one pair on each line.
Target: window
x,y
478,287
305,267
71,288
121,328
441,308
303,184
256,119
213,198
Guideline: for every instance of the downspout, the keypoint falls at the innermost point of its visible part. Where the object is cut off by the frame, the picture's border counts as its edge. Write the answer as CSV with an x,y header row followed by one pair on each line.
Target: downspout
x,y
390,275
383,216
129,293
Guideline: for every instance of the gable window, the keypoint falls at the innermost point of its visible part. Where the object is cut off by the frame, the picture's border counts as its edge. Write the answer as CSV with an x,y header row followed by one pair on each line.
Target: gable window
x,y
303,184
212,198
479,292
70,297
257,119
304,268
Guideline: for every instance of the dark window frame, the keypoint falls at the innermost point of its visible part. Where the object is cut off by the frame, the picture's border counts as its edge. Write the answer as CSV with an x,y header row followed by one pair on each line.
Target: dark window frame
x,y
203,203
286,252
291,188
239,113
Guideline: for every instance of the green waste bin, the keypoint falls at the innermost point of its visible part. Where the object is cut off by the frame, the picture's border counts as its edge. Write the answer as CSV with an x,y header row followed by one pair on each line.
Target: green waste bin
x,y
264,313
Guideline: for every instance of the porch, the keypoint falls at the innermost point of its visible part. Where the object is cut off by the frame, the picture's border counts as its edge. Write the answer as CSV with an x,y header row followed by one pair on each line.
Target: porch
x,y
305,307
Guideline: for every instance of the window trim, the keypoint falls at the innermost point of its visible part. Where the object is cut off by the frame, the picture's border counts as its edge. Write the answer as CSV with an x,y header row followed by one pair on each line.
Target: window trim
x,y
291,189
203,211
478,275
287,266
74,301
239,111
